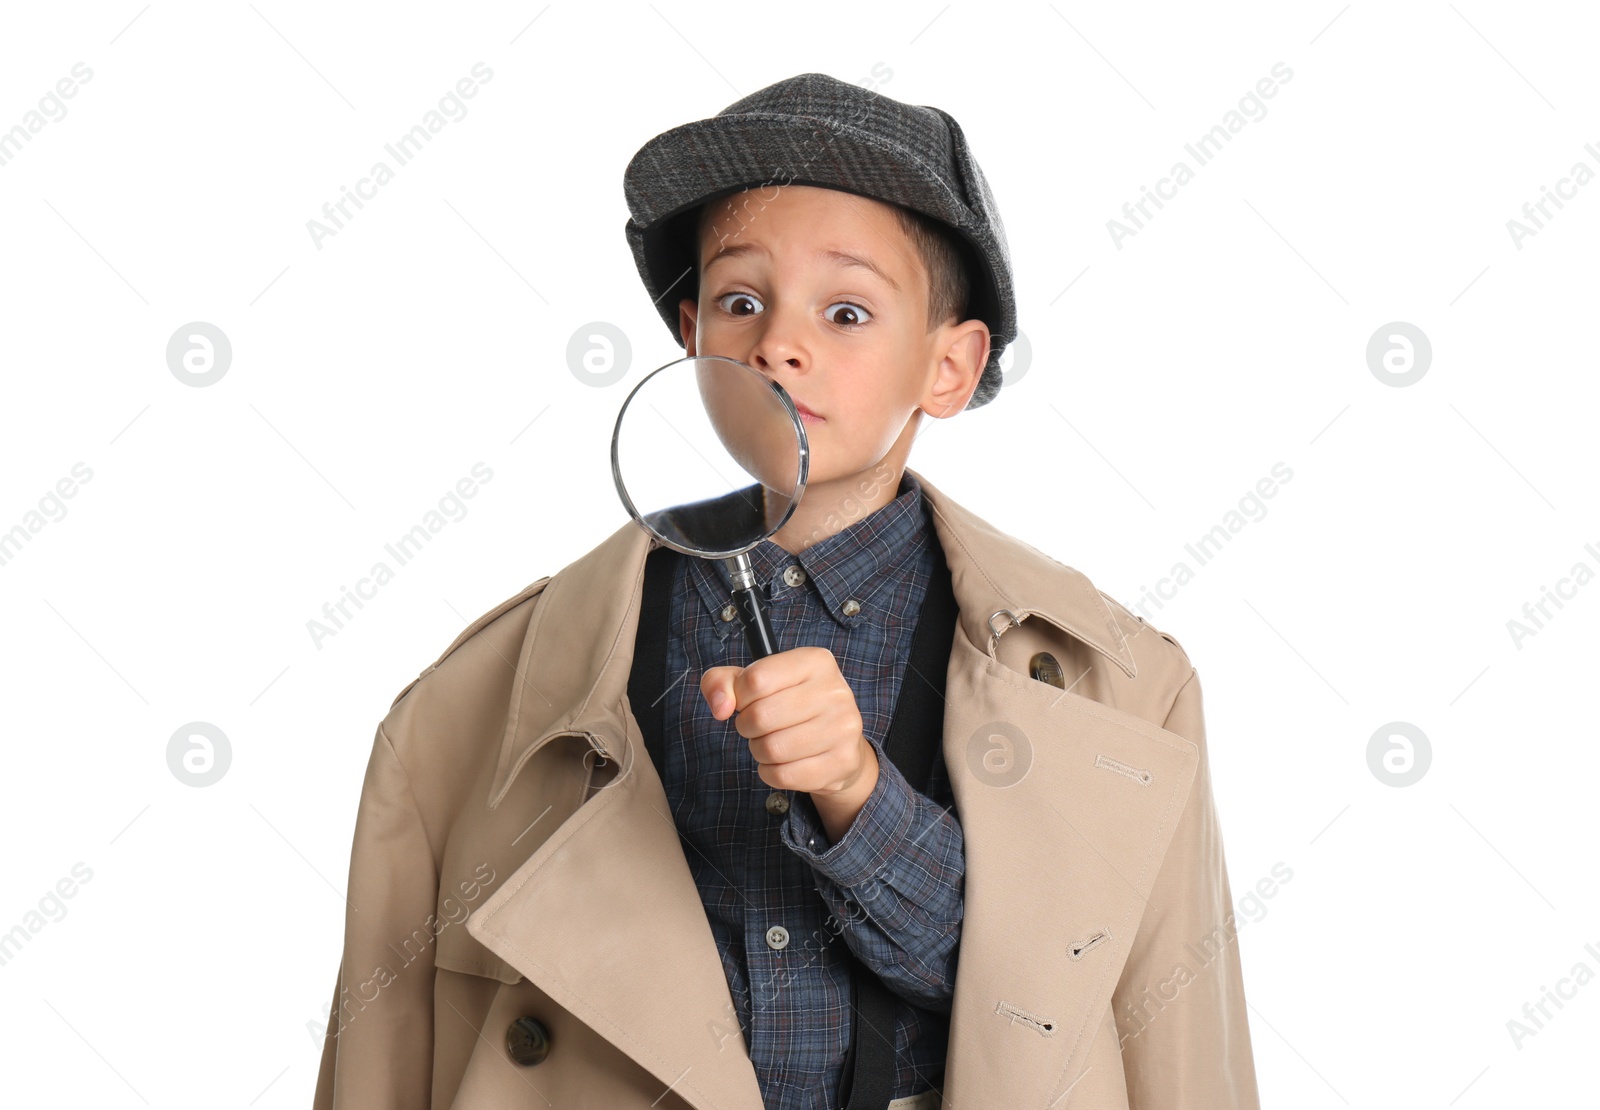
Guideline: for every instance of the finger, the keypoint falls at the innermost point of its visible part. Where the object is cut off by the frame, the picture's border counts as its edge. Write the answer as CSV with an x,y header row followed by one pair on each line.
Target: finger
x,y
717,687
786,708
808,736
772,673
823,771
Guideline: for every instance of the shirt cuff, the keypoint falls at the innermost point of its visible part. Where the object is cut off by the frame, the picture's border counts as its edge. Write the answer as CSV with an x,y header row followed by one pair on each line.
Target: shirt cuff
x,y
871,842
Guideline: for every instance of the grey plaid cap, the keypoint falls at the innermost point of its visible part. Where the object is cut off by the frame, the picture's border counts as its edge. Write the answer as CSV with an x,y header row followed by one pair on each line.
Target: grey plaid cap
x,y
814,129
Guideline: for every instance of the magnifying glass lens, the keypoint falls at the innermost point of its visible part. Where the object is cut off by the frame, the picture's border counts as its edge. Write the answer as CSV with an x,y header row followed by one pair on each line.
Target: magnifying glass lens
x,y
710,457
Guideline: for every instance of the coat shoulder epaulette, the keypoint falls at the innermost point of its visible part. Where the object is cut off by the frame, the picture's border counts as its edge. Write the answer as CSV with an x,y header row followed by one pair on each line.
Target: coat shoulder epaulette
x,y
1132,621
472,630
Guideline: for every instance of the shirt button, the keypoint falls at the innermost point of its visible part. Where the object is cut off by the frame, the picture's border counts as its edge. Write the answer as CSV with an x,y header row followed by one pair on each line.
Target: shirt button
x,y
729,612
851,607
777,802
777,937
794,576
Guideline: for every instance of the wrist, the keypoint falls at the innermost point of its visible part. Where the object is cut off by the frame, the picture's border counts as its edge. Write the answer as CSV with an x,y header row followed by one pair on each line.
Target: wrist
x,y
839,809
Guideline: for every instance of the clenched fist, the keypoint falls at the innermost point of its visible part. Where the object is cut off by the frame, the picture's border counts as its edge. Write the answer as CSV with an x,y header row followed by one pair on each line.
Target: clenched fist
x,y
804,728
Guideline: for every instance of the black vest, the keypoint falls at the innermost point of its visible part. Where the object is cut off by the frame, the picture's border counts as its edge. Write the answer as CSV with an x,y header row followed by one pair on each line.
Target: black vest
x,y
916,732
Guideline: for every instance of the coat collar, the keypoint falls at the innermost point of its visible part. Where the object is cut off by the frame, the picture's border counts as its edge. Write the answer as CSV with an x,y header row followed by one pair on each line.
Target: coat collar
x,y
571,683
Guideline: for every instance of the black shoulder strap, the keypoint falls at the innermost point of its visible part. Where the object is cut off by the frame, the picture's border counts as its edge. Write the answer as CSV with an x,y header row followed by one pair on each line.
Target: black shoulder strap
x,y
647,681
916,734
916,729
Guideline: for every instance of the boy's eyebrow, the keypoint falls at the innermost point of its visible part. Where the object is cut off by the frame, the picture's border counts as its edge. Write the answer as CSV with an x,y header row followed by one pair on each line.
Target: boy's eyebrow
x,y
841,258
844,259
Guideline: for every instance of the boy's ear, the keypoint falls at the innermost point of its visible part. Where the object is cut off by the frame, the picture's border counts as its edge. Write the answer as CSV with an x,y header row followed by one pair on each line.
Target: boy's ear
x,y
966,353
688,309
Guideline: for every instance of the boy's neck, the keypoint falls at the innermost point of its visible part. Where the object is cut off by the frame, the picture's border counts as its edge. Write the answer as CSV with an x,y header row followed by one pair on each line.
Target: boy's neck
x,y
828,508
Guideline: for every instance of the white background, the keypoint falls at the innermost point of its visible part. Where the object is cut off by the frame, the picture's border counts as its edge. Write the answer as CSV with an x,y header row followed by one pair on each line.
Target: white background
x,y
1168,375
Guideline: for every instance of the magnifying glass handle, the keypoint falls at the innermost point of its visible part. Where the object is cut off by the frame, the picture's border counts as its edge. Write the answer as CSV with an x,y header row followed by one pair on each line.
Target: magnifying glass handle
x,y
747,597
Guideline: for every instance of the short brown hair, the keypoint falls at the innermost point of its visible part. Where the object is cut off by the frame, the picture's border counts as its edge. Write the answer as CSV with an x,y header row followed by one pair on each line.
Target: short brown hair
x,y
938,246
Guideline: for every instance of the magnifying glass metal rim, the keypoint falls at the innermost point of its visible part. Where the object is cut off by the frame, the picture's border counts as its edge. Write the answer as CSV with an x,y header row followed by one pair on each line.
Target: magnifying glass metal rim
x,y
800,435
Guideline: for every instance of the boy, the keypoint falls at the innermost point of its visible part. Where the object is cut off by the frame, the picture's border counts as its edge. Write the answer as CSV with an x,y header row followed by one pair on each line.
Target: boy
x,y
580,881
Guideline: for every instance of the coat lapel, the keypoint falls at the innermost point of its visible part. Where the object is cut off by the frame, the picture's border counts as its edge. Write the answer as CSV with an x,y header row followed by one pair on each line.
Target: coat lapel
x,y
604,916
1066,806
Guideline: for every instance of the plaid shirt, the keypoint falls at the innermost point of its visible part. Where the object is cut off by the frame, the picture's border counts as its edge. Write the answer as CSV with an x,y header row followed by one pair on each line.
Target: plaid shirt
x,y
779,896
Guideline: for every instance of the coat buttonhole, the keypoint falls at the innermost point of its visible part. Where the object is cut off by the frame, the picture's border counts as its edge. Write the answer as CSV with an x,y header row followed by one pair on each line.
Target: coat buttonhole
x,y
1077,950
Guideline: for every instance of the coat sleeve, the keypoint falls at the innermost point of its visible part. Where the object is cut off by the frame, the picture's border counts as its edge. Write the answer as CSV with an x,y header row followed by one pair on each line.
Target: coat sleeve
x,y
1180,1004
378,1049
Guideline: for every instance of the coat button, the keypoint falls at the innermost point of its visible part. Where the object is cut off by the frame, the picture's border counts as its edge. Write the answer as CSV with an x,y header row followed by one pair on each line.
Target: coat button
x,y
1044,667
527,1041
777,937
794,576
777,802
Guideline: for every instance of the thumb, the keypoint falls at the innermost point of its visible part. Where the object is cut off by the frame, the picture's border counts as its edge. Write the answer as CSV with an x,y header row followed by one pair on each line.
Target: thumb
x,y
716,685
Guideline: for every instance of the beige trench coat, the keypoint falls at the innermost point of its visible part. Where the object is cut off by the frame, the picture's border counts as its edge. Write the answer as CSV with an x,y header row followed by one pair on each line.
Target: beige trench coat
x,y
514,857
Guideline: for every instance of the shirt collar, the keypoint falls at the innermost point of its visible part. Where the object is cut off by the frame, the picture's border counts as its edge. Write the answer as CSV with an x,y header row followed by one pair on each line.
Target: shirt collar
x,y
860,563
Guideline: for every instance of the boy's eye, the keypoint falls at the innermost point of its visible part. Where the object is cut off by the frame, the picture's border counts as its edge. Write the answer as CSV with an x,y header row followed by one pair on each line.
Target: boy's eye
x,y
736,298
854,318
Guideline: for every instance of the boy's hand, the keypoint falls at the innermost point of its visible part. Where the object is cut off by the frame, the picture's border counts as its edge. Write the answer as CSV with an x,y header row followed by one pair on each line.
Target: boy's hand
x,y
804,728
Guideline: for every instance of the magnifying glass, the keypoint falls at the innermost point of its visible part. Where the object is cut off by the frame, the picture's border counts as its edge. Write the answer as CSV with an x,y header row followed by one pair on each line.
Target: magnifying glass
x,y
710,457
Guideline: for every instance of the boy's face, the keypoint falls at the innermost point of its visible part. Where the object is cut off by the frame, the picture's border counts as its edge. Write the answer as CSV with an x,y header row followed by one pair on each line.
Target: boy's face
x,y
848,340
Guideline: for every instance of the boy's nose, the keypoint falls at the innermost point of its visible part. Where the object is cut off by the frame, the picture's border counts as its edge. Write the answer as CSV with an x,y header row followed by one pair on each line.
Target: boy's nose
x,y
762,361
779,344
